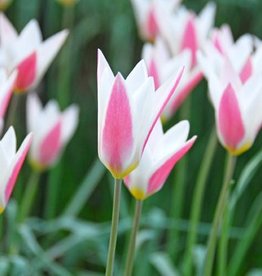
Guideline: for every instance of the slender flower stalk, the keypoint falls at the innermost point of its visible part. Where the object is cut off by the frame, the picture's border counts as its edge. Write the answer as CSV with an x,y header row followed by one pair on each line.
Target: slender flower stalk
x,y
222,202
128,111
114,228
30,192
197,201
132,242
223,244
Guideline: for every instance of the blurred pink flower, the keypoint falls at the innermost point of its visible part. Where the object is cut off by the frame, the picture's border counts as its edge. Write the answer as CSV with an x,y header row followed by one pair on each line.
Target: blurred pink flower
x,y
145,13
183,29
11,163
235,86
161,65
52,130
161,154
127,112
27,52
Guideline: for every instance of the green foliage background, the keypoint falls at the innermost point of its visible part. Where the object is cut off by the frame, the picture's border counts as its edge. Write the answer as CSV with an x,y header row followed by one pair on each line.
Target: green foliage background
x,y
110,26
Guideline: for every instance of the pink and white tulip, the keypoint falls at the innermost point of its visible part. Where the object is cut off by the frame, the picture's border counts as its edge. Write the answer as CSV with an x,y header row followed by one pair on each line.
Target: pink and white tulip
x,y
161,153
161,65
235,88
27,52
145,13
52,130
183,29
11,163
127,112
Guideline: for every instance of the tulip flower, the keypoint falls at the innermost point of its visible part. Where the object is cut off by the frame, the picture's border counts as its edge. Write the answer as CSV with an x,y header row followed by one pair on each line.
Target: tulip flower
x,y
236,94
127,112
6,89
52,130
161,153
183,29
27,52
161,65
11,163
145,13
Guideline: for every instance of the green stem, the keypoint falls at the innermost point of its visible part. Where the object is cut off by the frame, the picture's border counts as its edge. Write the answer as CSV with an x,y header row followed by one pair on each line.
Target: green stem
x,y
29,195
178,192
222,202
253,225
197,201
132,242
114,228
12,110
223,244
52,192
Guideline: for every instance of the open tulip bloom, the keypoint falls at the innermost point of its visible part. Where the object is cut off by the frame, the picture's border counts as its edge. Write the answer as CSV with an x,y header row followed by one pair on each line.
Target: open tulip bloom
x,y
235,88
183,29
161,65
127,112
52,130
145,13
161,153
11,163
27,52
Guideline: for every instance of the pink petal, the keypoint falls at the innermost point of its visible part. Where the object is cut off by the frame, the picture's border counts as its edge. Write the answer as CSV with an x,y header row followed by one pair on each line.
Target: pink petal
x,y
189,40
51,145
185,91
217,43
246,71
159,177
230,122
26,73
117,138
19,162
152,71
172,91
151,24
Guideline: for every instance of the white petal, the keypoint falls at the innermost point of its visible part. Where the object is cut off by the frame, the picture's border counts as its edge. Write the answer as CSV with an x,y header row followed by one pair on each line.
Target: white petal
x,y
33,109
70,121
8,143
7,31
47,52
31,33
136,77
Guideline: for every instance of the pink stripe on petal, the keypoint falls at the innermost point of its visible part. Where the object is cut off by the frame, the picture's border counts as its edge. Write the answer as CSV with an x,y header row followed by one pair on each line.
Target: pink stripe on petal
x,y
246,71
185,91
152,71
151,24
159,177
217,43
230,122
26,73
172,91
11,182
51,145
117,137
189,40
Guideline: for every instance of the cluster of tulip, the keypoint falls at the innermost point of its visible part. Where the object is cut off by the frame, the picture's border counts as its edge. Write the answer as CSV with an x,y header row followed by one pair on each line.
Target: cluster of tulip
x,y
131,142
24,58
